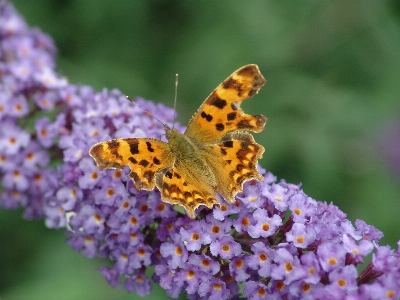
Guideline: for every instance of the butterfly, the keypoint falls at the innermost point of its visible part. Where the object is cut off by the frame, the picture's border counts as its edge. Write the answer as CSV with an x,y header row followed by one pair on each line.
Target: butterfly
x,y
215,154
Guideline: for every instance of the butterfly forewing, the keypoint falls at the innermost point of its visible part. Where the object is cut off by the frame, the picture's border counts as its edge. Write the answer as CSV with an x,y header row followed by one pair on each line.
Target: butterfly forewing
x,y
221,113
144,156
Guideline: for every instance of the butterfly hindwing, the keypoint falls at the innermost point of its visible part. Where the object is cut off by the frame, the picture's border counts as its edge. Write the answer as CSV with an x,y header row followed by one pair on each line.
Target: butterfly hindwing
x,y
180,185
221,113
144,156
234,161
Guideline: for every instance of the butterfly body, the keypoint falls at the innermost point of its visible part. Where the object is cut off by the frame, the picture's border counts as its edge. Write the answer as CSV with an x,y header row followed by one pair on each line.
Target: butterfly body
x,y
215,154
181,145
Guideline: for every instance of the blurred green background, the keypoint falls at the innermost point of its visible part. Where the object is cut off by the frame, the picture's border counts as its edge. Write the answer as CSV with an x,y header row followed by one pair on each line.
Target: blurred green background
x,y
333,72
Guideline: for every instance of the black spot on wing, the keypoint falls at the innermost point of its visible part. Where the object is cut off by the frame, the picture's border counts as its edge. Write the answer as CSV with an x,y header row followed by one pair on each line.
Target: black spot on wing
x,y
144,163
134,147
228,144
231,116
168,174
216,101
240,179
239,168
134,176
156,161
244,124
229,83
113,147
206,116
132,160
219,126
149,148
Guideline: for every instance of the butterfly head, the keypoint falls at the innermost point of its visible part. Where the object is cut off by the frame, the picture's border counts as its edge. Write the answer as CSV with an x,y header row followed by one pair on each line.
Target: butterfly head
x,y
179,143
171,133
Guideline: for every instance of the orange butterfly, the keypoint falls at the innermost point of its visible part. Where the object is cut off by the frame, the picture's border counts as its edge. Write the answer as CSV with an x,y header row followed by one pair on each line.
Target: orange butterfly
x,y
215,154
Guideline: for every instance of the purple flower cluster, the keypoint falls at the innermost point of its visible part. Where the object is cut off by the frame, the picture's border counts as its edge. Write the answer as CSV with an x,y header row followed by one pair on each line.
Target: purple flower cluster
x,y
274,241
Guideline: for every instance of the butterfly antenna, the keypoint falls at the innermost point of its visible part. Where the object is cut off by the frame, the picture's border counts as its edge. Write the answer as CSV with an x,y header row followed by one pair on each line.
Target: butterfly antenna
x,y
127,97
176,95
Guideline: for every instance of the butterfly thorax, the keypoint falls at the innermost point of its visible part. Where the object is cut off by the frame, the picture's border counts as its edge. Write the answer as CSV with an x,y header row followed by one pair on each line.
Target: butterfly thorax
x,y
180,144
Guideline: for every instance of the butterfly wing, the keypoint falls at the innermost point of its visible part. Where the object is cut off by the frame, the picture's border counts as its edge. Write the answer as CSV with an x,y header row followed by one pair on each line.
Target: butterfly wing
x,y
221,113
234,161
187,184
144,156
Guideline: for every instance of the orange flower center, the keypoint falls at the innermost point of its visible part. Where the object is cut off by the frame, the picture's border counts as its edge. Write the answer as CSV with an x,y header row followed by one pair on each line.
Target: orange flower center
x,y
215,229
144,208
161,207
332,261
226,248
205,263
217,286
261,291
265,227
239,264
263,257
280,285
110,192
190,274
341,282
289,267
178,250
306,287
